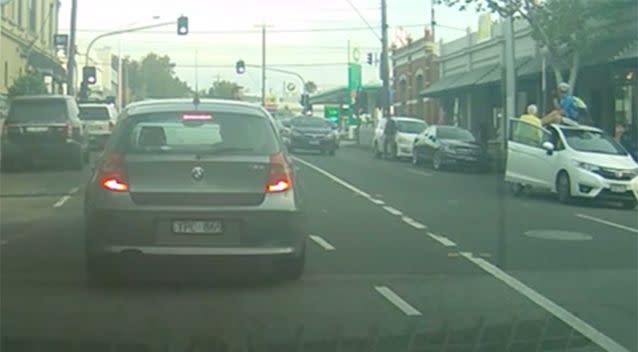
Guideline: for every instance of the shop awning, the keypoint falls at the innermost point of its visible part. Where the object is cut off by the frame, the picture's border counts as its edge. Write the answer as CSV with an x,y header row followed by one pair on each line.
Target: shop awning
x,y
472,77
46,65
495,75
442,85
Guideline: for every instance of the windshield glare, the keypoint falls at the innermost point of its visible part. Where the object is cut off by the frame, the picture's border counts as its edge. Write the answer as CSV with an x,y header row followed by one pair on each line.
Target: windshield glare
x,y
592,142
415,127
454,133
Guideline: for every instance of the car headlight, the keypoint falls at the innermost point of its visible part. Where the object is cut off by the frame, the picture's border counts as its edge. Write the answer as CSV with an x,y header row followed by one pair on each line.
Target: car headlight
x,y
587,166
448,149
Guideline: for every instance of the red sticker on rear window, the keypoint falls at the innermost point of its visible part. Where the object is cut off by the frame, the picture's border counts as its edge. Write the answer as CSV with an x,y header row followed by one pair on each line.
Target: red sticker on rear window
x,y
197,116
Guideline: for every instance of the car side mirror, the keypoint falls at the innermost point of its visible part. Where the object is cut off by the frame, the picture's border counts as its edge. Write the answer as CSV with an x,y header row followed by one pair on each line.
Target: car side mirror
x,y
549,147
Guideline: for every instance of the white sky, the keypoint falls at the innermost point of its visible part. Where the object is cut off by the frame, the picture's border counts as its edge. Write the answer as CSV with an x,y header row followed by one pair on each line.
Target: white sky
x,y
282,48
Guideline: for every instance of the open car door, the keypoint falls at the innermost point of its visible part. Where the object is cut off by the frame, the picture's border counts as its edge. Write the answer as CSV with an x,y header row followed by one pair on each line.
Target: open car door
x,y
529,155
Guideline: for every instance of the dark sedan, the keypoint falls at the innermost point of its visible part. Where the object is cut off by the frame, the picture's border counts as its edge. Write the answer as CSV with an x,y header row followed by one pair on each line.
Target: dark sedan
x,y
316,133
447,146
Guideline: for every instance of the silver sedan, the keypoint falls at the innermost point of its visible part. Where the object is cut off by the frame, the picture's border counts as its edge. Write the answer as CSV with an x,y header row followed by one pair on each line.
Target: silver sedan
x,y
184,178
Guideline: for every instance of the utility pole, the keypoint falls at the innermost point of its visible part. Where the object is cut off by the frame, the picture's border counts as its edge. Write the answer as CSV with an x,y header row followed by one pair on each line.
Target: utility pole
x,y
385,72
263,65
70,68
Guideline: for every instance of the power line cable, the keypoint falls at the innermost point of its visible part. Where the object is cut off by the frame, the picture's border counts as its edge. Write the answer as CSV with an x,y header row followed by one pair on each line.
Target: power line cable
x,y
363,19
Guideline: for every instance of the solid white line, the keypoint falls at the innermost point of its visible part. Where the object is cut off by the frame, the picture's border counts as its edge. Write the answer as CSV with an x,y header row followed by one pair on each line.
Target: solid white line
x,y
323,243
559,312
334,178
420,173
61,202
74,190
442,240
613,224
417,225
391,210
377,201
397,301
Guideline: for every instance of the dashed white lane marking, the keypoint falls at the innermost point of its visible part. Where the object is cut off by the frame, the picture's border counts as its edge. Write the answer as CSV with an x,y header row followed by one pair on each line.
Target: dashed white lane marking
x,y
392,210
420,173
61,202
334,178
417,225
606,222
399,302
377,201
559,312
442,240
74,190
322,243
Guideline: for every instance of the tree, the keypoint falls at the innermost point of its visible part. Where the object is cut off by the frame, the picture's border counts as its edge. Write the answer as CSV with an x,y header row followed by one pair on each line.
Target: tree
x,y
311,87
567,29
31,83
223,89
154,77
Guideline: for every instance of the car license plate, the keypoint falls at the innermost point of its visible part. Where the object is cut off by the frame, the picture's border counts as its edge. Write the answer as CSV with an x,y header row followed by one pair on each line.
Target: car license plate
x,y
197,227
618,188
37,129
314,142
92,128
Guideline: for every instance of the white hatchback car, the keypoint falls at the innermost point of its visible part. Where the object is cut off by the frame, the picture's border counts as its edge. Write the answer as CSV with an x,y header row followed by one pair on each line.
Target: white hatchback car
x,y
572,161
408,128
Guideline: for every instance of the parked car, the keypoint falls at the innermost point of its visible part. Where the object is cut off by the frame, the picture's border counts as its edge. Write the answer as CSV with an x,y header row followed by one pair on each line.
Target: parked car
x,y
314,133
447,146
44,127
407,129
180,179
99,120
572,161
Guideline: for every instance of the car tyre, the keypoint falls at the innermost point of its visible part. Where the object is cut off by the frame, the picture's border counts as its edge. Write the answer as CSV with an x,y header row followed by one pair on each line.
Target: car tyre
x,y
629,204
563,188
437,161
291,268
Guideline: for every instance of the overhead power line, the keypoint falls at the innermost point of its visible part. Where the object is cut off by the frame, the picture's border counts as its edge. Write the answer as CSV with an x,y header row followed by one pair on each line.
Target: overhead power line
x,y
363,19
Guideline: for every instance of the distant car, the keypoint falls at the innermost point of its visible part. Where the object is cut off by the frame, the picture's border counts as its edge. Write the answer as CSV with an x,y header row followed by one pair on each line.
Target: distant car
x,y
571,161
314,133
44,127
446,146
99,120
179,180
407,129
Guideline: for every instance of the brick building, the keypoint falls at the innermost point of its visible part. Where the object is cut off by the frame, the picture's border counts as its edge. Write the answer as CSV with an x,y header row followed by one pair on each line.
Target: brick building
x,y
414,68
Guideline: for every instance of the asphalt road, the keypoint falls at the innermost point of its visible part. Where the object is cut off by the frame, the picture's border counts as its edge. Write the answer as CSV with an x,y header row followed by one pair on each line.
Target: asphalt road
x,y
399,259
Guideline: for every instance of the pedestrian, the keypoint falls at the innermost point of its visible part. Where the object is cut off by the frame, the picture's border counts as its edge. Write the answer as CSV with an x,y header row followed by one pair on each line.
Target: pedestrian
x,y
528,130
567,102
389,134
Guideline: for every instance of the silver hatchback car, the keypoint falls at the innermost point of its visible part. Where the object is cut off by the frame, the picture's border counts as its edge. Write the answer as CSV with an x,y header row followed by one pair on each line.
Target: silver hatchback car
x,y
189,178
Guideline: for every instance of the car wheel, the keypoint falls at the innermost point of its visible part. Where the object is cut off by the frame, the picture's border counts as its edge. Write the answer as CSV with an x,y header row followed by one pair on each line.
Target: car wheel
x,y
437,161
377,153
629,204
563,187
291,269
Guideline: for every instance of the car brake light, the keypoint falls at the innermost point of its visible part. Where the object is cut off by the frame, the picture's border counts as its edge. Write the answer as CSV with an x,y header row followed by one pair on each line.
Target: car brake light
x,y
112,173
279,174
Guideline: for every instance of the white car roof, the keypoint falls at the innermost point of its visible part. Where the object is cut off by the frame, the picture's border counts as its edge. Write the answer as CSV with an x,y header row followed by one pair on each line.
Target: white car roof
x,y
577,127
401,118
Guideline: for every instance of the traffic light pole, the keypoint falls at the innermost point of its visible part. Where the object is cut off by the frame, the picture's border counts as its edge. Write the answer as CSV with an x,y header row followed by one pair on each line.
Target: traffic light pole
x,y
385,72
70,68
263,65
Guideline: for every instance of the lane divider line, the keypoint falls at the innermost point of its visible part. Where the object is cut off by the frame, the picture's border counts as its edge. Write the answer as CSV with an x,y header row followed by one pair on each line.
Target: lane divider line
x,y
61,202
606,222
557,311
392,210
417,225
334,178
419,173
377,201
397,301
322,243
442,240
74,190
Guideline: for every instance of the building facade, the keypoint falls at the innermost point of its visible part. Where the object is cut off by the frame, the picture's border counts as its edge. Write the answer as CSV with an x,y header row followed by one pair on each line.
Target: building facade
x,y
27,43
414,67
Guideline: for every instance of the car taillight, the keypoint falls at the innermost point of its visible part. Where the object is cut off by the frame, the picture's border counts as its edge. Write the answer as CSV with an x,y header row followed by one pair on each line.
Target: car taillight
x,y
279,174
112,173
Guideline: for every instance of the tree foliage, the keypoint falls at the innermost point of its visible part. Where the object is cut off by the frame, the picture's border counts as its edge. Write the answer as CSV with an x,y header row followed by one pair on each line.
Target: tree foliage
x,y
31,83
223,89
154,77
567,29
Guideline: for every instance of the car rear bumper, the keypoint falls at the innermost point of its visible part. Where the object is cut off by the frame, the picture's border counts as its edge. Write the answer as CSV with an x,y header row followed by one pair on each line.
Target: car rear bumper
x,y
590,185
38,151
98,139
305,143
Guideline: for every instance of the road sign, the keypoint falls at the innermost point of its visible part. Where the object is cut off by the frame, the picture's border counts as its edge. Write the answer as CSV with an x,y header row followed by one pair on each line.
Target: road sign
x,y
61,41
291,87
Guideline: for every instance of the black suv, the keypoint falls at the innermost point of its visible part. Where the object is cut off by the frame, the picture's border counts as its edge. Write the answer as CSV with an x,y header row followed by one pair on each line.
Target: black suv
x,y
44,127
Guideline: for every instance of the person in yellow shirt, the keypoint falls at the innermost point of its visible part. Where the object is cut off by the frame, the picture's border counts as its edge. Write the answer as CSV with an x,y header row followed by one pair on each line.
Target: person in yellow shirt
x,y
528,131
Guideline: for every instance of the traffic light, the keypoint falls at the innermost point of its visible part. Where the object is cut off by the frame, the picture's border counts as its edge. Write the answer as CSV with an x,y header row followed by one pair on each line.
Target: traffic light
x,y
182,25
369,58
305,101
240,67
89,74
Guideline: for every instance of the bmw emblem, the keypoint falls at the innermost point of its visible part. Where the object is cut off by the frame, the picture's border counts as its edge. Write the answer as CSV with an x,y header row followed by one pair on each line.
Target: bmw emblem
x,y
197,173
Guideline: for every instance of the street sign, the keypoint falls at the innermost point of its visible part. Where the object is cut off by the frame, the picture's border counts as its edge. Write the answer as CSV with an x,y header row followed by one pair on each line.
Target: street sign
x,y
61,41
291,87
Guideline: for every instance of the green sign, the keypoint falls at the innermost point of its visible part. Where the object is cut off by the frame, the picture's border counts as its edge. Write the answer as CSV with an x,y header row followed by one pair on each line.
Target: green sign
x,y
331,113
354,77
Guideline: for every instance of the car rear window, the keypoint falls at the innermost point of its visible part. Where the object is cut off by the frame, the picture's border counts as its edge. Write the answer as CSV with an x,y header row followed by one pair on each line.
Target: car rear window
x,y
42,110
310,122
94,113
224,133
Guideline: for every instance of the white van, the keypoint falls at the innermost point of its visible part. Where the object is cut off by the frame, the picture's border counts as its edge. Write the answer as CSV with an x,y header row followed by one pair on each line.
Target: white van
x,y
572,161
